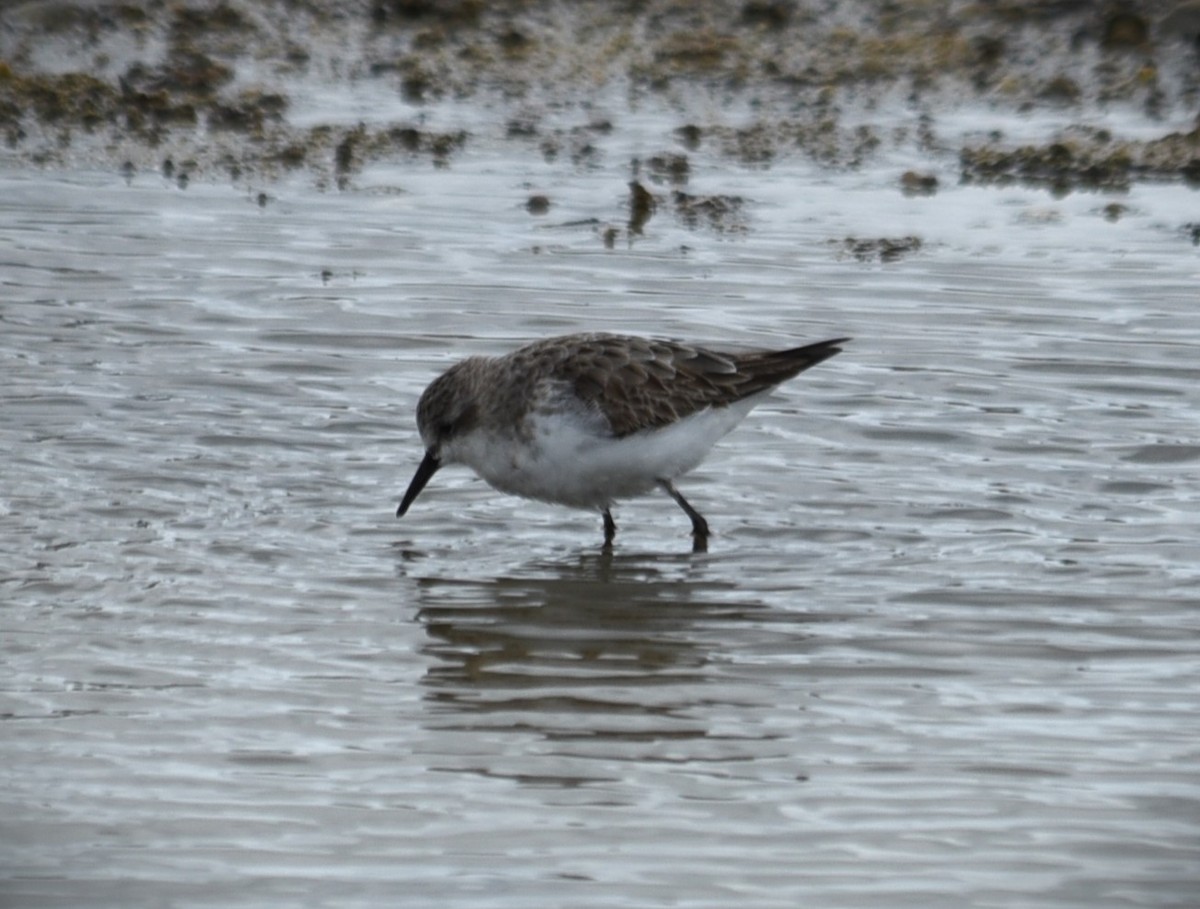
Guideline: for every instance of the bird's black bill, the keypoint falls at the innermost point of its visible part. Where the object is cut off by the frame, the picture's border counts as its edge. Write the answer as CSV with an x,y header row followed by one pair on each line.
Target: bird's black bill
x,y
429,466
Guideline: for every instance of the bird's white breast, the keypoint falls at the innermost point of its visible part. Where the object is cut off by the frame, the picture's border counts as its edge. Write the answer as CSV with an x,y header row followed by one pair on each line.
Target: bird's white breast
x,y
566,458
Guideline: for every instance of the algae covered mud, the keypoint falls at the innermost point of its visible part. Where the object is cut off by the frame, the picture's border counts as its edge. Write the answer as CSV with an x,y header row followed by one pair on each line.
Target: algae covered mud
x,y
944,649
249,91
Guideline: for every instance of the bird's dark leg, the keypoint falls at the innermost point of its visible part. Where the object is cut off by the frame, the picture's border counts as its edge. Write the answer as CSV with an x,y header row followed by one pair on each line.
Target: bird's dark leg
x,y
699,525
610,529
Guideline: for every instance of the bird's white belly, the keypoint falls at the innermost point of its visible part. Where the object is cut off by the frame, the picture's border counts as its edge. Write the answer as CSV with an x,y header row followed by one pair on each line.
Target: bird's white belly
x,y
564,461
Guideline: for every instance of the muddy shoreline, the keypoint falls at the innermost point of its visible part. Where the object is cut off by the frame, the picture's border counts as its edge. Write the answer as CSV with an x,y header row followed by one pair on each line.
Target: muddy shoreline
x,y
209,90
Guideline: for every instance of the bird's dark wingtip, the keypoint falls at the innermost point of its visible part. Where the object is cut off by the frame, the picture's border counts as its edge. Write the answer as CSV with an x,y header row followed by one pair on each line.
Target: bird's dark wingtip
x,y
811,354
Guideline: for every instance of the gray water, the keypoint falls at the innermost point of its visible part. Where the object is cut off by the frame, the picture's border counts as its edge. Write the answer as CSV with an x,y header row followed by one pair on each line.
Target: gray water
x,y
942,652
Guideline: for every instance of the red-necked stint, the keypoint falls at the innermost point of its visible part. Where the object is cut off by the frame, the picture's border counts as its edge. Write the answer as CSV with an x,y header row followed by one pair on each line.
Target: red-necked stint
x,y
584,420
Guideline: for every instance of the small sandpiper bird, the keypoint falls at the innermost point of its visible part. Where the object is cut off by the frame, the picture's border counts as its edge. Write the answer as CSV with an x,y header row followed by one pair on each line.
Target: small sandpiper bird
x,y
586,419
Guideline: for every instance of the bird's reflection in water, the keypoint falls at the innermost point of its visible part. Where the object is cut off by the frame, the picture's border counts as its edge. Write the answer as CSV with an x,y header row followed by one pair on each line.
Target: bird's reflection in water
x,y
598,647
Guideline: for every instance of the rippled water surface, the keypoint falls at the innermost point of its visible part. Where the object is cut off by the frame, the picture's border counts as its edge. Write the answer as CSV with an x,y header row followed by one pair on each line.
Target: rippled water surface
x,y
942,652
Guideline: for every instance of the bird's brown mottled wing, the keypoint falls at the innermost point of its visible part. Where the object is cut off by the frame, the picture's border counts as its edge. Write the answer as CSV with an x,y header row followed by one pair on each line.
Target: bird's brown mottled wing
x,y
638,383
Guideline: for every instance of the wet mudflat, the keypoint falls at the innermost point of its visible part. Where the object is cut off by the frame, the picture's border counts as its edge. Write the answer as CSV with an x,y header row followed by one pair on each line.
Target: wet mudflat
x,y
942,650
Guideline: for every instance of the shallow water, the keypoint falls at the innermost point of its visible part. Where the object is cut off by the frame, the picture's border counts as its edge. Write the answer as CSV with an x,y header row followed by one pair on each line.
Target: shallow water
x,y
942,651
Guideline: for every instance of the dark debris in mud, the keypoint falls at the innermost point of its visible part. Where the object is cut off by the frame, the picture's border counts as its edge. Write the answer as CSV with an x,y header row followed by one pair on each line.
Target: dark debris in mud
x,y
917,184
1086,159
724,214
884,249
642,206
